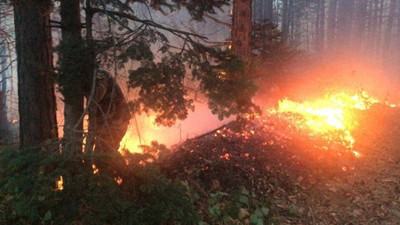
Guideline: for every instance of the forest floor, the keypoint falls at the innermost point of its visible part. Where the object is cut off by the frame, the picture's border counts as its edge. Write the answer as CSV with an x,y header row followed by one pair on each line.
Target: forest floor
x,y
303,186
369,194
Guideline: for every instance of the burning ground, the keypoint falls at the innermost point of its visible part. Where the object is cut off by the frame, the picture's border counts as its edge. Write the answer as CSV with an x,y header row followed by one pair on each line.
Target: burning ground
x,y
330,160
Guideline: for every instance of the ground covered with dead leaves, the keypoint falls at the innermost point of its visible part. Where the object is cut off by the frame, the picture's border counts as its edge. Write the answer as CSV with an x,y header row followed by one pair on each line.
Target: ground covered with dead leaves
x,y
303,184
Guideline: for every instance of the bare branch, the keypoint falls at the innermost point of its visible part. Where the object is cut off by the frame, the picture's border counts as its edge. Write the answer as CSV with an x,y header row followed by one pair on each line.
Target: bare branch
x,y
147,22
218,21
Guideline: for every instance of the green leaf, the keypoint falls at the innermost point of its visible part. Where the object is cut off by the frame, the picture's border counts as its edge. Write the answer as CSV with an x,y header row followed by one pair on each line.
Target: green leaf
x,y
212,201
47,216
265,210
220,193
253,219
41,198
243,199
260,221
245,192
258,213
293,209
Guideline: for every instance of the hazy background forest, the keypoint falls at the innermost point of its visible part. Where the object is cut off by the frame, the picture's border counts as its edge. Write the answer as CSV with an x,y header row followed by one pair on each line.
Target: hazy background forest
x,y
347,37
241,112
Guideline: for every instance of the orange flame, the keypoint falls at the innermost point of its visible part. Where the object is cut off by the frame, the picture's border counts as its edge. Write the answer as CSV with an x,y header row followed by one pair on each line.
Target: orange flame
x,y
60,184
330,115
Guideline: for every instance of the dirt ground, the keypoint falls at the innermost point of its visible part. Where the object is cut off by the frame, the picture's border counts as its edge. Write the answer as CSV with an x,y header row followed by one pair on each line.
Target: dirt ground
x,y
369,194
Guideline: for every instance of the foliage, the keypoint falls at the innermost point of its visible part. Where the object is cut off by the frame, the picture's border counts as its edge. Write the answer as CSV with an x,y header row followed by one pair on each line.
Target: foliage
x,y
72,66
271,53
28,193
239,207
166,59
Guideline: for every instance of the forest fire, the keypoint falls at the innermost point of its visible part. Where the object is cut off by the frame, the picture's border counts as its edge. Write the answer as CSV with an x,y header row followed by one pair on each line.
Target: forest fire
x,y
326,123
332,117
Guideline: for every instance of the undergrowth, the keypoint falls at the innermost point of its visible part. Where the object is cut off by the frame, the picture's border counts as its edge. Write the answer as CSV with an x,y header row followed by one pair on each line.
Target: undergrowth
x,y
29,193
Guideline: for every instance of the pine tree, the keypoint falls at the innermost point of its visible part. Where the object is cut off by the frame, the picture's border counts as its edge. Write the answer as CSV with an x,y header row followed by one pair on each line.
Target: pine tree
x,y
37,108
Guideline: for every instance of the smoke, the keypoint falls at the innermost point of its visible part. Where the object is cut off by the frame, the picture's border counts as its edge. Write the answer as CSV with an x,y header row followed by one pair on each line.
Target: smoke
x,y
312,78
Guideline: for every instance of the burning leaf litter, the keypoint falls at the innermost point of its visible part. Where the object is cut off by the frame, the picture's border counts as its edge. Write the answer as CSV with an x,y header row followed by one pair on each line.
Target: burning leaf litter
x,y
309,158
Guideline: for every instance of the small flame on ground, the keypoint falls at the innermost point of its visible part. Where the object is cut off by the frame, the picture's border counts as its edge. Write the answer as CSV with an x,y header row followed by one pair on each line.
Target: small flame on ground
x,y
60,184
95,169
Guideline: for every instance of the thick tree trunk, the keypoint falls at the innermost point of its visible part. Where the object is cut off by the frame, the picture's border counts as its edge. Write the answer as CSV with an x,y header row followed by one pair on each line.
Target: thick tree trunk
x,y
37,107
241,28
72,68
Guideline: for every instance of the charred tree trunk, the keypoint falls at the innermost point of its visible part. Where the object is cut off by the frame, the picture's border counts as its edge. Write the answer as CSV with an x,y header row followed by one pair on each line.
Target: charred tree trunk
x,y
72,70
37,106
241,28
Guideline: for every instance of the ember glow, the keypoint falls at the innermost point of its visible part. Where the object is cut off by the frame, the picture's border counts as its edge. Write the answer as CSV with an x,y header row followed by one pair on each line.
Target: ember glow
x,y
60,184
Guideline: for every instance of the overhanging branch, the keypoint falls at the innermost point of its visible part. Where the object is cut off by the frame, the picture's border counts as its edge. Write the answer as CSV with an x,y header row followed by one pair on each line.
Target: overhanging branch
x,y
216,20
147,22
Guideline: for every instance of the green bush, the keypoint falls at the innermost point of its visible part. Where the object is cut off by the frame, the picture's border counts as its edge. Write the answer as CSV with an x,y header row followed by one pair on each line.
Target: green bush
x,y
29,194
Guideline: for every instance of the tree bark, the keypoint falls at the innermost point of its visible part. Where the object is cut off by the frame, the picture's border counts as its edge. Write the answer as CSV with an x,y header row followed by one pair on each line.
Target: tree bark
x,y
72,68
37,107
241,28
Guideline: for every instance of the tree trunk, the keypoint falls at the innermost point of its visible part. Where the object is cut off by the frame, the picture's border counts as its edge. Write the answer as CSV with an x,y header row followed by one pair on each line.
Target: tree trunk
x,y
37,106
332,14
72,70
320,26
269,10
345,22
90,72
360,25
285,18
258,11
381,6
388,31
373,29
241,28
